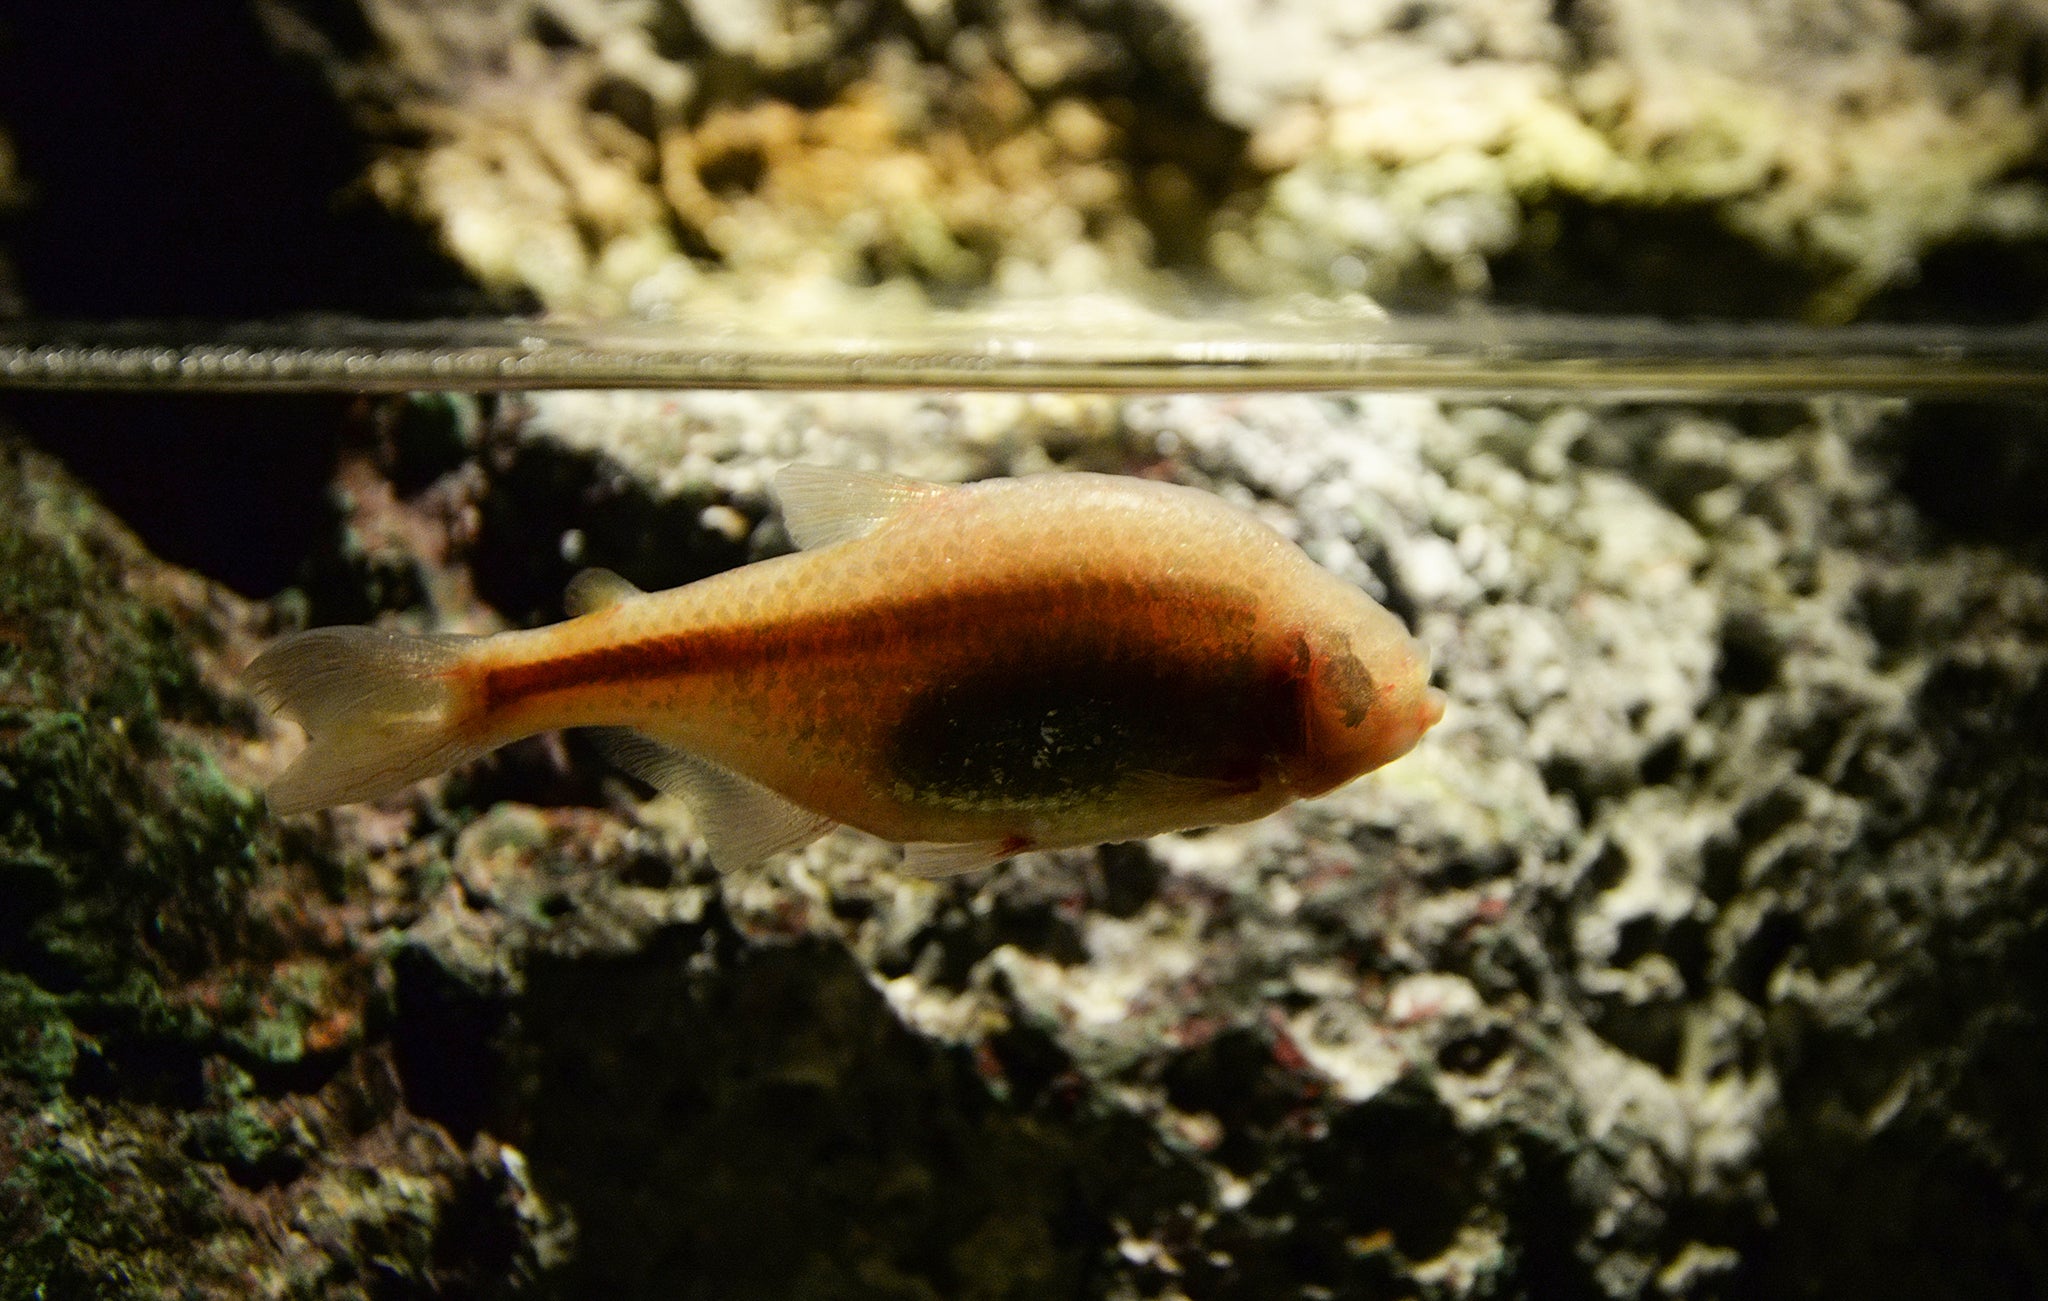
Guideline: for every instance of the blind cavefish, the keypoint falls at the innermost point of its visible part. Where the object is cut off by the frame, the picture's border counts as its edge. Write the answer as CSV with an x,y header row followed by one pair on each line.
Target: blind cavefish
x,y
975,671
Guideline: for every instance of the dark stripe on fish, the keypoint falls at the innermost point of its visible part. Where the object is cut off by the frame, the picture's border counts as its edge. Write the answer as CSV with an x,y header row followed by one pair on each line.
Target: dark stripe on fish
x,y
922,618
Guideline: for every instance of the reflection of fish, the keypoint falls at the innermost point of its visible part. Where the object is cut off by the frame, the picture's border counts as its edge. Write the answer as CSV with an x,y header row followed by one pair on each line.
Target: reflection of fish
x,y
1010,665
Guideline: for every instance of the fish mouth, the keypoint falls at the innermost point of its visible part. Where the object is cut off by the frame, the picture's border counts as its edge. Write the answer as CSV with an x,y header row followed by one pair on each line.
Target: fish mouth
x,y
1426,712
1431,711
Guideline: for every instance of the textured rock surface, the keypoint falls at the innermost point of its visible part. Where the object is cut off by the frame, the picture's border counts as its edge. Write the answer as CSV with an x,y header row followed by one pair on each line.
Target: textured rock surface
x,y
196,1096
1698,953
1609,989
1703,951
669,156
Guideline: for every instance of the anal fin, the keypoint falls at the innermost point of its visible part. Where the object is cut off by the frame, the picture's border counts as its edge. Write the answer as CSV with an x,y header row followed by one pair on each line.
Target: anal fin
x,y
741,820
927,859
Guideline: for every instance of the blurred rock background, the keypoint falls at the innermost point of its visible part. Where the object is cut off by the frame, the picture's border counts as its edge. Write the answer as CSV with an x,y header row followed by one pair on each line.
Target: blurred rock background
x,y
1699,953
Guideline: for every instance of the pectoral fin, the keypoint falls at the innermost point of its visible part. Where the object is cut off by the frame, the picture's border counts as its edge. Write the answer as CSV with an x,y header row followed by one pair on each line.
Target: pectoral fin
x,y
1168,790
822,505
742,821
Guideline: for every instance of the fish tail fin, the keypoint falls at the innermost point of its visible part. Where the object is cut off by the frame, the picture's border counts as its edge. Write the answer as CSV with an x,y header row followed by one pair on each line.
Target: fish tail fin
x,y
383,709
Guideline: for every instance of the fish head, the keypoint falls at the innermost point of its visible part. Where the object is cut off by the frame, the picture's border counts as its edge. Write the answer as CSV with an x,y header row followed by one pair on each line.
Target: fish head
x,y
1365,698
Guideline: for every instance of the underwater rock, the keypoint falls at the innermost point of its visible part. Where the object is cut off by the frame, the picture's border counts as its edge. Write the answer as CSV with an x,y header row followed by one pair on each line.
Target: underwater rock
x,y
783,156
1696,953
196,1096
1700,952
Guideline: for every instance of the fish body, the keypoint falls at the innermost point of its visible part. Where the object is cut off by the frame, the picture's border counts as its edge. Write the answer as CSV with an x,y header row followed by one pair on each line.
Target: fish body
x,y
1016,664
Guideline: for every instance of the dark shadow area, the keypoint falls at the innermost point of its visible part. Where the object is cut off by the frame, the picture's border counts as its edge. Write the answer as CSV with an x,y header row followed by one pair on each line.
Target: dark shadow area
x,y
1928,1183
1979,470
1634,260
1972,282
734,1121
229,486
444,1040
541,492
1396,1166
176,166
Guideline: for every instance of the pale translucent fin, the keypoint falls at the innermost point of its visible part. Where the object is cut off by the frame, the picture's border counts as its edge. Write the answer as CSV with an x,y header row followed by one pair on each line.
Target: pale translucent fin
x,y
1182,790
596,589
822,505
927,859
741,820
383,709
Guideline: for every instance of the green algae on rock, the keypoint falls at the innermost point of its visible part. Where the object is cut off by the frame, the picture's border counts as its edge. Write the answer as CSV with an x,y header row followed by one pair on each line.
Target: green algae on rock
x,y
189,1102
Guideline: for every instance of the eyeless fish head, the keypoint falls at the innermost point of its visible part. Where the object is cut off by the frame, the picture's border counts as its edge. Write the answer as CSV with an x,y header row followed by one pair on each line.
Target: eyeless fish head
x,y
1367,702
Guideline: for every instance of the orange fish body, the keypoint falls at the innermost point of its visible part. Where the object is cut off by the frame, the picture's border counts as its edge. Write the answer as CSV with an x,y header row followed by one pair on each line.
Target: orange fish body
x,y
1010,665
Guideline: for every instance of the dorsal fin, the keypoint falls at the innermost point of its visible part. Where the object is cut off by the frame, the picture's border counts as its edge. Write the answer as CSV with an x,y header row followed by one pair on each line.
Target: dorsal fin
x,y
822,505
596,589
